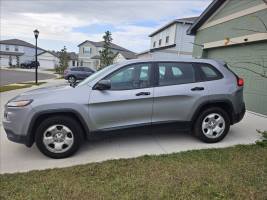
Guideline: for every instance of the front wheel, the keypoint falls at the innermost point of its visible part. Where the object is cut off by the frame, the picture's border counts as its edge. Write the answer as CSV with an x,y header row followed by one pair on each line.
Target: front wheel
x,y
212,125
58,136
72,79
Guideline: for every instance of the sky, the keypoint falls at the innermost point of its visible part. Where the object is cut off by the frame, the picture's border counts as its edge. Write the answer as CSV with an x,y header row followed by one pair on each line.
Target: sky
x,y
70,22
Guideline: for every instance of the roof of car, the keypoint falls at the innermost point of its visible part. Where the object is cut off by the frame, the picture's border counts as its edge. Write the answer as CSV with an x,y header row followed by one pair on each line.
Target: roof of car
x,y
178,59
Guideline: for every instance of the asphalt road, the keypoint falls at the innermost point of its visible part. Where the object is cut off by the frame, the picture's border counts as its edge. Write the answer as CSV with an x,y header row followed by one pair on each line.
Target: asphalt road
x,y
11,76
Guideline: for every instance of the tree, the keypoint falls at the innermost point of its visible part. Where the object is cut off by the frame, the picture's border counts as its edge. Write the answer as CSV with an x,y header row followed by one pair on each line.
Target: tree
x,y
106,55
63,61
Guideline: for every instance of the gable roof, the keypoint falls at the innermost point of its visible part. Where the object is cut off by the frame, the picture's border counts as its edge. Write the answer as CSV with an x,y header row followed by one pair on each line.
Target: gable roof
x,y
212,8
19,43
50,52
101,44
188,20
127,54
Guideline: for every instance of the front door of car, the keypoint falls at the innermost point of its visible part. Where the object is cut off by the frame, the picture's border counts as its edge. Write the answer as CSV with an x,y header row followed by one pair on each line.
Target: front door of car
x,y
128,103
177,92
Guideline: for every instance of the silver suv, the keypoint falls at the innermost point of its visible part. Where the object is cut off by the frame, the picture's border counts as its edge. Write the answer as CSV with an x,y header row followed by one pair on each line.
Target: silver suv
x,y
202,96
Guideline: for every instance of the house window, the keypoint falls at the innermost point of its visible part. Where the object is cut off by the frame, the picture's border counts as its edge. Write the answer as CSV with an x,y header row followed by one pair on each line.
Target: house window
x,y
160,42
167,39
154,44
81,63
7,48
16,48
87,50
73,63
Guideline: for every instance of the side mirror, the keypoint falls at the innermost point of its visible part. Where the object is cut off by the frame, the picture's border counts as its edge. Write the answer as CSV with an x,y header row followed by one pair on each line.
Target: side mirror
x,y
103,85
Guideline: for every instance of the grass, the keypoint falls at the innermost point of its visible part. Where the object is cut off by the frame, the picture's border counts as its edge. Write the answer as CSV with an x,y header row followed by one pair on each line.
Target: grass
x,y
238,172
16,86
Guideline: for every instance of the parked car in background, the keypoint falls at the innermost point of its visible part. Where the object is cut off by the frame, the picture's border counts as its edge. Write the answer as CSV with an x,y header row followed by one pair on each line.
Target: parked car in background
x,y
77,73
197,95
29,64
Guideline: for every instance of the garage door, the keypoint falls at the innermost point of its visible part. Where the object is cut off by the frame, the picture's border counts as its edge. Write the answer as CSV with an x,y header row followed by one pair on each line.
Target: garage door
x,y
4,61
249,62
46,64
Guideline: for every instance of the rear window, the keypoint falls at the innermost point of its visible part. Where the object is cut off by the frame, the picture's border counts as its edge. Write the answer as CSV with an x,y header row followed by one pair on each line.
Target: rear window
x,y
208,72
175,73
76,69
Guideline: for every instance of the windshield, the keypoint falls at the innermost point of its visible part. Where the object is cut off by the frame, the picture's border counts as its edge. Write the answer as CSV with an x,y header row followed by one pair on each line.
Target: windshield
x,y
96,75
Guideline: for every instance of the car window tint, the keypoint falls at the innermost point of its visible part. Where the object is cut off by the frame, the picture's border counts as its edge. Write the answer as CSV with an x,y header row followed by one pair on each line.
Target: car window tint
x,y
209,72
76,69
87,69
175,73
131,77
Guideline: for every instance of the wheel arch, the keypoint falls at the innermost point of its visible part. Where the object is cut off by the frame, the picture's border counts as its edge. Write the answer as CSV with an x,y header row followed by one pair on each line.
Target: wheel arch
x,y
226,105
38,117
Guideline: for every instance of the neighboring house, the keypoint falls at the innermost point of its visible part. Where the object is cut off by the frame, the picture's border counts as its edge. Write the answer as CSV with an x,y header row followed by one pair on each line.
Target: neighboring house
x,y
124,55
73,59
89,53
14,51
171,40
236,31
48,60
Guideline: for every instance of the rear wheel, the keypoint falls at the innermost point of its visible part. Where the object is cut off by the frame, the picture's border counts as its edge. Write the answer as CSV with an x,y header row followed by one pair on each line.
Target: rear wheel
x,y
58,136
72,79
212,125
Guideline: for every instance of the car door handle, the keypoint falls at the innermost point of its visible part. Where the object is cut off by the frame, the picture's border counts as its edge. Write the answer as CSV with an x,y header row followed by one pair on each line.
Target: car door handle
x,y
142,93
197,88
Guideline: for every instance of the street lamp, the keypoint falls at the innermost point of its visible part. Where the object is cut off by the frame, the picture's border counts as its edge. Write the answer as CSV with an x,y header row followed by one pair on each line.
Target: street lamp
x,y
36,33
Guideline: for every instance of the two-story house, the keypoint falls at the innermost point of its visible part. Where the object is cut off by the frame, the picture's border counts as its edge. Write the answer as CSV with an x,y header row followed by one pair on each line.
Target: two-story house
x,y
14,51
89,55
171,40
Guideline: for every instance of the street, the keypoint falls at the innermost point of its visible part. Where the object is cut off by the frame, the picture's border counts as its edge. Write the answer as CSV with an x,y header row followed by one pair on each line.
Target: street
x,y
12,76
19,158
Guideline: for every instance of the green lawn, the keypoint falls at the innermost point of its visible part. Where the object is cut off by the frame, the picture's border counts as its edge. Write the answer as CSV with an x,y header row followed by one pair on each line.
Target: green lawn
x,y
232,173
16,86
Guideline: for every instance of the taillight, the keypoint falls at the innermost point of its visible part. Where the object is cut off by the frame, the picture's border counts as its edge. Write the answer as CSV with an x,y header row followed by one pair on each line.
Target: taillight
x,y
240,82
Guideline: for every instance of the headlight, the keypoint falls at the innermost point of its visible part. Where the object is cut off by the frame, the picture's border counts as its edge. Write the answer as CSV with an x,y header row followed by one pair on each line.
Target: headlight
x,y
20,103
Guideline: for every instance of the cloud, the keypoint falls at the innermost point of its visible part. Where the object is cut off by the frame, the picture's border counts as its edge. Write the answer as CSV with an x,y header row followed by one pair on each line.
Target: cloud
x,y
66,21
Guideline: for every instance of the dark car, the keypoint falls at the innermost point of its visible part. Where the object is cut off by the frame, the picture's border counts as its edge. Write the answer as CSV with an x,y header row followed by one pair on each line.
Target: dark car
x,y
77,73
29,64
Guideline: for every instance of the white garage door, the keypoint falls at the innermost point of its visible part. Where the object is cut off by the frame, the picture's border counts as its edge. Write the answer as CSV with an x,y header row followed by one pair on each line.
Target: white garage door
x,y
46,64
4,61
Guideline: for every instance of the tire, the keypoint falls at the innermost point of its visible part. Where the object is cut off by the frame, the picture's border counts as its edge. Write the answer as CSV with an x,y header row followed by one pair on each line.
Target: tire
x,y
63,144
212,125
72,79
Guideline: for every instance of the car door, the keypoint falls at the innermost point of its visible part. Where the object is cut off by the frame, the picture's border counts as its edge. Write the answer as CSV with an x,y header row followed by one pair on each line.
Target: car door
x,y
128,103
87,72
177,92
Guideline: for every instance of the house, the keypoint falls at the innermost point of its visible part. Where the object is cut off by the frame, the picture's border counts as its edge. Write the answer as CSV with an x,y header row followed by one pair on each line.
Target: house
x,y
235,31
73,59
124,55
89,53
171,40
14,51
48,59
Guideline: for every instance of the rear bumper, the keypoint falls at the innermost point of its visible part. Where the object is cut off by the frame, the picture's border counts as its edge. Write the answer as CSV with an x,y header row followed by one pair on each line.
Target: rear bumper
x,y
237,117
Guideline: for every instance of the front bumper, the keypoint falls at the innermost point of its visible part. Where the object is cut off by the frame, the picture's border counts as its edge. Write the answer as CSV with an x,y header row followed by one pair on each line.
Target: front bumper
x,y
16,122
16,138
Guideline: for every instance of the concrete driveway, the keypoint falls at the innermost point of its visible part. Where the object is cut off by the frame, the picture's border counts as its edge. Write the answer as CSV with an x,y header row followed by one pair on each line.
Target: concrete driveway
x,y
19,158
13,76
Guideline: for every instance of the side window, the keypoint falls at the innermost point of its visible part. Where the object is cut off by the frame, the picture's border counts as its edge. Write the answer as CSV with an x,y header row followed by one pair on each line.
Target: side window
x,y
208,72
131,77
175,73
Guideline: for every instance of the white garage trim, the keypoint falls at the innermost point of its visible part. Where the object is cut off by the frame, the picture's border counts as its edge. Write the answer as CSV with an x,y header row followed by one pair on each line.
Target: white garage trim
x,y
237,40
234,16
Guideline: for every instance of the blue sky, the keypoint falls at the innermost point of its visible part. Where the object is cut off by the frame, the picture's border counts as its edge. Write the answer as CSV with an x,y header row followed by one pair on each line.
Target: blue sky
x,y
68,23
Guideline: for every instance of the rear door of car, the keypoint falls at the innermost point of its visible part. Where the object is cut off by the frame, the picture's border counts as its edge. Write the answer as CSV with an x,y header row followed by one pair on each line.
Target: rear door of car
x,y
177,92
